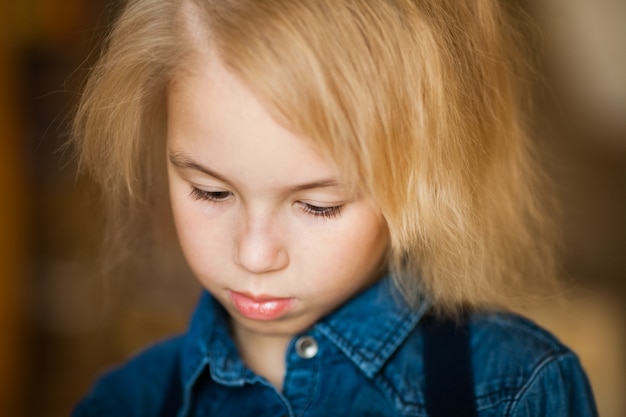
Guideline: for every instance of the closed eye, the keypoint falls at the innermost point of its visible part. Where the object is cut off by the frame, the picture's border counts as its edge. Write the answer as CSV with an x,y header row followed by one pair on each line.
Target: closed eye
x,y
324,212
214,196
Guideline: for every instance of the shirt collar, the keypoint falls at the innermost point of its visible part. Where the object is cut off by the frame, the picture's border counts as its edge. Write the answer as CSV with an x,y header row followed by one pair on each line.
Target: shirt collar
x,y
208,342
371,326
367,329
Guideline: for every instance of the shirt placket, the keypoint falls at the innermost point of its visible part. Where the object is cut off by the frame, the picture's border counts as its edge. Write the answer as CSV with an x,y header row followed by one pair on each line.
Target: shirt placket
x,y
302,377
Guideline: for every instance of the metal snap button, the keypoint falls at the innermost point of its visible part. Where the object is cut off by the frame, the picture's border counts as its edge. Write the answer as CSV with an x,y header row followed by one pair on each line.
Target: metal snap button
x,y
306,347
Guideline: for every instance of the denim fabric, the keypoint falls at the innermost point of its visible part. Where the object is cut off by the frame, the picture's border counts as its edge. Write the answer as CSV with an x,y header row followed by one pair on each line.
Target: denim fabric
x,y
369,363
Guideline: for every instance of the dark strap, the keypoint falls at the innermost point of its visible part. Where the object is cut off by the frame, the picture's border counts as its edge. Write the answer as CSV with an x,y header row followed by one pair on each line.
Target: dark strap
x,y
174,393
447,362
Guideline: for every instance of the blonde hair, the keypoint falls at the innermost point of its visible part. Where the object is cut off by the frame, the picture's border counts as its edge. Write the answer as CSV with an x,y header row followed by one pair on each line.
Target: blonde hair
x,y
421,103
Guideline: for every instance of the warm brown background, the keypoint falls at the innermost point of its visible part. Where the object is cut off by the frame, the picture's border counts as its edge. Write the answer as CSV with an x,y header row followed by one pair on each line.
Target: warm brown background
x,y
60,323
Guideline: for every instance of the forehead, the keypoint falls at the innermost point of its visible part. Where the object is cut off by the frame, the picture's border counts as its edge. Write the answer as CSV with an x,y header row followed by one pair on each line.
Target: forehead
x,y
207,94
287,76
215,80
215,120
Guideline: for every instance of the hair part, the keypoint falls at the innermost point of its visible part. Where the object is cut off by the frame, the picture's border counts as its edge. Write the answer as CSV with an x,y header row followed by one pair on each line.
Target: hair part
x,y
421,103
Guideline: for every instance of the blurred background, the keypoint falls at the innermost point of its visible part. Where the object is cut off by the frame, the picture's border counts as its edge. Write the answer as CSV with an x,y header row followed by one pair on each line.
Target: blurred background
x,y
61,323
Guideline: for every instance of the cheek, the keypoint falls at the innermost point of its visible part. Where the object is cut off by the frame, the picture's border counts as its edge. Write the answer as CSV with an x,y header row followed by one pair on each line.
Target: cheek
x,y
358,248
204,250
368,236
188,237
195,234
193,222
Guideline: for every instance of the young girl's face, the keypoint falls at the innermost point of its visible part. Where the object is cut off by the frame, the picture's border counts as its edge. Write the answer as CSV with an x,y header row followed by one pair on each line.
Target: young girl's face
x,y
266,223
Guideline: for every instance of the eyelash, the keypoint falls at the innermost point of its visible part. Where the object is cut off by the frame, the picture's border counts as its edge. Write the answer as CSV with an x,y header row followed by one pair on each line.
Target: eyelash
x,y
213,196
324,212
220,196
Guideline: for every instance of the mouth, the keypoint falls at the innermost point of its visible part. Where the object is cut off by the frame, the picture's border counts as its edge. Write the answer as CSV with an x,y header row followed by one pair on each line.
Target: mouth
x,y
260,307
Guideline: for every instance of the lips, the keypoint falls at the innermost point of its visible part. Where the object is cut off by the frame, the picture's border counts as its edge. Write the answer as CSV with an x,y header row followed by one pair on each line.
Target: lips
x,y
260,307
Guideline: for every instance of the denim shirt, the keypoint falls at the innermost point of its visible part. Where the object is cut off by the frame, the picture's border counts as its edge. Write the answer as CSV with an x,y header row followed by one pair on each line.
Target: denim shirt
x,y
365,359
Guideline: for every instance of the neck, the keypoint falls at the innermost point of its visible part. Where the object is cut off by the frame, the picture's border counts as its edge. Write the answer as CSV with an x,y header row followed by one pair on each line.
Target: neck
x,y
263,354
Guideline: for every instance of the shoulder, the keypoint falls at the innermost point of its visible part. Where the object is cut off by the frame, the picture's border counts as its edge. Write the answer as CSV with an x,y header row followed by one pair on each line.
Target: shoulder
x,y
135,388
512,339
522,369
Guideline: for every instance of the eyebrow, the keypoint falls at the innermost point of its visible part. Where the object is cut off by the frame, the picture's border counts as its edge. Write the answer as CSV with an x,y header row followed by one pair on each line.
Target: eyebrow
x,y
183,161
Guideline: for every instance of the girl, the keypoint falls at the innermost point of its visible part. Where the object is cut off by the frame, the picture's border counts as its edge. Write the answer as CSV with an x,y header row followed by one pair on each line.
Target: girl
x,y
343,175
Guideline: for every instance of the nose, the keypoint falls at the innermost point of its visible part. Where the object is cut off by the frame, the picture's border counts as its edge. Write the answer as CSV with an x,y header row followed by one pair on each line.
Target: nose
x,y
260,249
